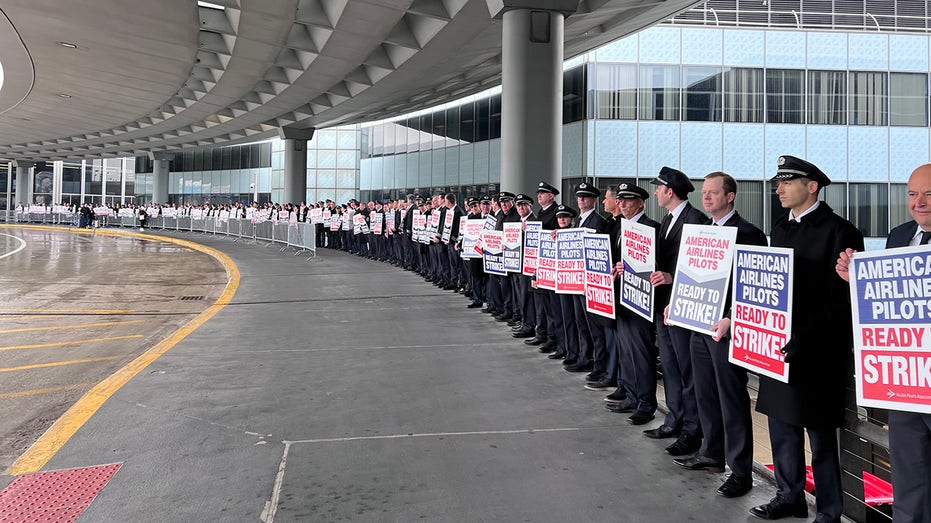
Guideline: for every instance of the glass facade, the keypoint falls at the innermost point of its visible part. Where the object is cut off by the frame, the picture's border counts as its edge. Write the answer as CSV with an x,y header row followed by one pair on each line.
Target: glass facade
x,y
700,99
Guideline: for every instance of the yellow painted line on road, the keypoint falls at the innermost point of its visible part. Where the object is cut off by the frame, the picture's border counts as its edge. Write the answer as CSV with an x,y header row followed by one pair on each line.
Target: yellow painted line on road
x,y
57,363
73,342
61,327
68,311
75,417
33,392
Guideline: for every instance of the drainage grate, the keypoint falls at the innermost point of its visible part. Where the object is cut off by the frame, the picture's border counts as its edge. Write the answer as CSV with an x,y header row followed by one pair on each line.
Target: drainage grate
x,y
190,298
57,496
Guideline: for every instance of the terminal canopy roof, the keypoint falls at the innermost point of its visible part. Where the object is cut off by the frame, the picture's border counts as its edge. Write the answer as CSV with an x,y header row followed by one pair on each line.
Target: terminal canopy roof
x,y
109,78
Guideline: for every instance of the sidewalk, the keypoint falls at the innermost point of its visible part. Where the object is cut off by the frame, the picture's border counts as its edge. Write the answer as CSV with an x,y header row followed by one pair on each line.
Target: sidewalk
x,y
346,389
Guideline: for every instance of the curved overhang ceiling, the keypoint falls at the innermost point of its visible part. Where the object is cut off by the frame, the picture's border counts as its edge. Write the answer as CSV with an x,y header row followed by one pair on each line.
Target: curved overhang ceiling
x,y
146,77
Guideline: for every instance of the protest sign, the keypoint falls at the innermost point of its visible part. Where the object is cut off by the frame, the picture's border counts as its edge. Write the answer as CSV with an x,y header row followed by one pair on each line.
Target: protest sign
x,y
570,262
761,310
376,223
447,226
547,261
638,254
599,284
493,246
490,222
389,222
531,247
703,270
511,246
890,293
316,215
470,234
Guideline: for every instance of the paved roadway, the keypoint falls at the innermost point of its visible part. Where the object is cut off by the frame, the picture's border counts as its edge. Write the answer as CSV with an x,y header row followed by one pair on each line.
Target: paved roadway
x,y
342,389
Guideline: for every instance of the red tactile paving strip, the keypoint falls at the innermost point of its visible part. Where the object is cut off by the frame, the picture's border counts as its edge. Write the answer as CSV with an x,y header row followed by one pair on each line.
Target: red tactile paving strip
x,y
56,496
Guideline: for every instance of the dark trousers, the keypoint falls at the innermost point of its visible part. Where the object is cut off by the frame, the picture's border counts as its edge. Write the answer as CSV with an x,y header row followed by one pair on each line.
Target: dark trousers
x,y
586,332
910,449
723,405
676,359
611,374
455,265
517,296
788,444
637,359
569,328
541,307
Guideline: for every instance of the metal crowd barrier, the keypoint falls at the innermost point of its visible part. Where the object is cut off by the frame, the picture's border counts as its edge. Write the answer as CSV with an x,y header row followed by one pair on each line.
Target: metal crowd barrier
x,y
301,237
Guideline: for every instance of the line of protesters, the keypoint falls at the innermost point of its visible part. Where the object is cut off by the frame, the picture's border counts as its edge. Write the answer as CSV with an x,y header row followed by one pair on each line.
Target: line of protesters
x,y
709,408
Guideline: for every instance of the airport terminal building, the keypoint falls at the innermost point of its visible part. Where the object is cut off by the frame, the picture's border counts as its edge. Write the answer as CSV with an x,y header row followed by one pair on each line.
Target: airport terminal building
x,y
727,85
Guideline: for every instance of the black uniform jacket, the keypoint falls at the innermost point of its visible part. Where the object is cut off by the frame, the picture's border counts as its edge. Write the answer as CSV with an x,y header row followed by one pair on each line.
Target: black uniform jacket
x,y
667,250
819,350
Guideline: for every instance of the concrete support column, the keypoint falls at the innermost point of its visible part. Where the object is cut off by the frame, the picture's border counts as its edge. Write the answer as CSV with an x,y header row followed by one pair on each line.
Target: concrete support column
x,y
295,163
531,98
159,177
25,172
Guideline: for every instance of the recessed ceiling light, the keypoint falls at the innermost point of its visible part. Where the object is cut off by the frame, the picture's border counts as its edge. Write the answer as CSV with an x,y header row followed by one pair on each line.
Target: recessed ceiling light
x,y
69,45
63,95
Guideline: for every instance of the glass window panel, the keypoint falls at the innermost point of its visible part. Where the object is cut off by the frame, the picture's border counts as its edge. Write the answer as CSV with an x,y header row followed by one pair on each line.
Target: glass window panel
x,y
784,99
574,87
388,136
868,92
898,204
908,99
378,140
265,155
482,118
198,160
827,97
346,160
467,122
659,92
615,92
245,157
236,158
869,208
749,202
452,124
836,196
743,95
494,117
702,91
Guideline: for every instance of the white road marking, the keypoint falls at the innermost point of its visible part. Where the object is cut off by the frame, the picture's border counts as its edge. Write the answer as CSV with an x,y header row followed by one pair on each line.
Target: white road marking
x,y
22,245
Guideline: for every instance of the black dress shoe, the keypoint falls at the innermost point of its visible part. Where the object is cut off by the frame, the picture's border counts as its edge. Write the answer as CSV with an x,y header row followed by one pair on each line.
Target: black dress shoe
x,y
661,432
618,396
594,376
516,322
685,444
779,508
599,385
621,408
546,349
569,361
503,318
536,340
475,305
488,310
556,356
576,367
699,462
640,418
735,486
523,334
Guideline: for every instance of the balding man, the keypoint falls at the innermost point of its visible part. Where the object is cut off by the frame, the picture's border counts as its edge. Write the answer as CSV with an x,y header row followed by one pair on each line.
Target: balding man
x,y
909,432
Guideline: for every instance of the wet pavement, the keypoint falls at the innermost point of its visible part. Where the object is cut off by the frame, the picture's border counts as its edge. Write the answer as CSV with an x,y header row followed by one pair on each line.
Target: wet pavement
x,y
342,389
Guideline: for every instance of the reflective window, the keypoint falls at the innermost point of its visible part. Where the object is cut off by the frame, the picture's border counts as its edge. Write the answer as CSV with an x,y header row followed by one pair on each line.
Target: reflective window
x,y
614,92
908,99
869,208
868,92
573,91
827,97
659,92
743,95
784,95
702,91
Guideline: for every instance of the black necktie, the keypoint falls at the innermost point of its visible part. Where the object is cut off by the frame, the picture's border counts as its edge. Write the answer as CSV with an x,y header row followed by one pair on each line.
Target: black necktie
x,y
925,237
664,227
